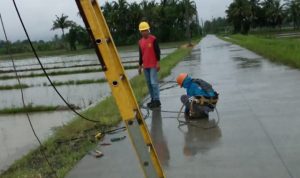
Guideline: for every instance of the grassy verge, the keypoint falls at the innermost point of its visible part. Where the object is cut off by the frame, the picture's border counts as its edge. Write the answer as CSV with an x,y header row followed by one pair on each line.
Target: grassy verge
x,y
285,51
31,108
11,87
271,32
64,156
56,73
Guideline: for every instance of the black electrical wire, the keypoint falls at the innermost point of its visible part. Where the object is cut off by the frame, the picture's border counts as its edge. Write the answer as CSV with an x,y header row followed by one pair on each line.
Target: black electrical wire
x,y
163,83
181,122
109,132
116,130
167,88
186,122
44,70
23,99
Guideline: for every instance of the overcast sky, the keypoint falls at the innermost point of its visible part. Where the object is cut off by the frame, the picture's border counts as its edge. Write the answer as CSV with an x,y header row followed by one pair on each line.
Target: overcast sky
x,y
39,14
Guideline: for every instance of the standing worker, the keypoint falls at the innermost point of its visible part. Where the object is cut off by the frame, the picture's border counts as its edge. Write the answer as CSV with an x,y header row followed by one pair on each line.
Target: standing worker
x,y
149,61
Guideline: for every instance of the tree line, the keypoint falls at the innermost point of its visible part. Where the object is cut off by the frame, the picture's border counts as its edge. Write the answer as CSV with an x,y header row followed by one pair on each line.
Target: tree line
x,y
22,46
170,20
243,15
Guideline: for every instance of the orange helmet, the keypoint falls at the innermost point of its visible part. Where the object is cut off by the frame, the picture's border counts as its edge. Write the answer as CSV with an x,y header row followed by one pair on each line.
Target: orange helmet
x,y
181,78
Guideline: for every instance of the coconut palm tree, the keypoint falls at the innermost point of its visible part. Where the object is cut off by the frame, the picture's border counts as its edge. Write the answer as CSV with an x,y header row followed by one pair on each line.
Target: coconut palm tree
x,y
62,23
293,10
190,11
274,12
239,14
255,12
168,19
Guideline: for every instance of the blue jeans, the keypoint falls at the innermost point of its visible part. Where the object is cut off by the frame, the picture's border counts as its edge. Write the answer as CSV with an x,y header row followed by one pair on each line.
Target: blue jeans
x,y
152,82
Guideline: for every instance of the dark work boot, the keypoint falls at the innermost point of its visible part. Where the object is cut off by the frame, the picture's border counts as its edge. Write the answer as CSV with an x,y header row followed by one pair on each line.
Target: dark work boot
x,y
155,104
149,104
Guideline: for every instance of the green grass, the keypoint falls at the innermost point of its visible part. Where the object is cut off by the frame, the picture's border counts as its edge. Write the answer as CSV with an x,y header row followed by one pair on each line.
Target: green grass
x,y
31,108
69,82
76,82
286,51
11,87
56,73
64,156
271,32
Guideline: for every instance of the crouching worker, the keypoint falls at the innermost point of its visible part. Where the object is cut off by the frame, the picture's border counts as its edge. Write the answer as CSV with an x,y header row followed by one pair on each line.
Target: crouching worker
x,y
200,99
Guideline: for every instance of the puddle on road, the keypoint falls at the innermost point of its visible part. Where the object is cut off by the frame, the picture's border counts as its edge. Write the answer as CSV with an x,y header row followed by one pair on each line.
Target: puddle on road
x,y
248,63
234,50
221,45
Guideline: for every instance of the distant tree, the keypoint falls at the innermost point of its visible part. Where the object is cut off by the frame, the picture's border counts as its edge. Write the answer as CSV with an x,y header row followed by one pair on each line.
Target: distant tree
x,y
134,18
78,34
239,14
190,11
216,25
83,37
62,23
150,12
256,16
71,37
274,12
55,38
170,20
293,11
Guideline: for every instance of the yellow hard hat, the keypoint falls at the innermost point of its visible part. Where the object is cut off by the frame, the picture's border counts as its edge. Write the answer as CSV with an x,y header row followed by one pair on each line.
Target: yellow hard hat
x,y
144,26
180,78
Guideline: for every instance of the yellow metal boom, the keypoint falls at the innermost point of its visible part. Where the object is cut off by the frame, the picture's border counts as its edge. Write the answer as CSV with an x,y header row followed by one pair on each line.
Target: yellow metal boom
x,y
121,88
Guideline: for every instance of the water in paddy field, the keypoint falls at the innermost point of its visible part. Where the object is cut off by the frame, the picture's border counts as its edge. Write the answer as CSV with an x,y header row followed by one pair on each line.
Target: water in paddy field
x,y
41,94
16,137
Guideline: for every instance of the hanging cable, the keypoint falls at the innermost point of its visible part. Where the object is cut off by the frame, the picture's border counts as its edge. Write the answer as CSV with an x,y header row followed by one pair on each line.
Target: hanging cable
x,y
23,99
44,70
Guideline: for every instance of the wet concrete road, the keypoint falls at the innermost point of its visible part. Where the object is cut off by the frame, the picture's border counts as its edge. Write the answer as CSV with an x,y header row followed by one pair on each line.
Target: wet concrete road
x,y
258,134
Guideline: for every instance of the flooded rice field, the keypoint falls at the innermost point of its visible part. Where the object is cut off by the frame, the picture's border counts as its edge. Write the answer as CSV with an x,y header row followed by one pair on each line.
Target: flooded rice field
x,y
16,136
39,93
